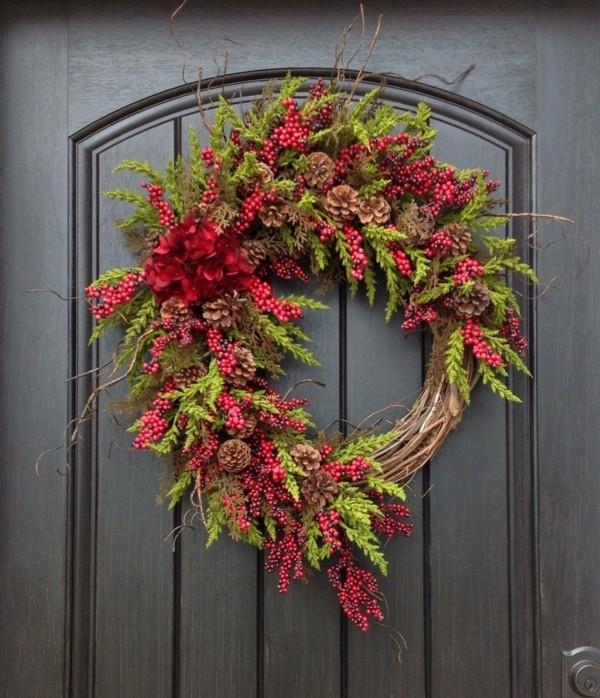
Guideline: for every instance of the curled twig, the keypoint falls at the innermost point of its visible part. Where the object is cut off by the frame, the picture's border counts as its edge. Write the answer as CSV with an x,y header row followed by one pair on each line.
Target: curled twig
x,y
54,293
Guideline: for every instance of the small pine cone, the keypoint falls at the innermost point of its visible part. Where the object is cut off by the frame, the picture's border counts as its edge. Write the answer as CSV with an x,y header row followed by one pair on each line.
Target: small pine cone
x,y
247,430
319,489
274,214
188,376
473,303
255,251
320,168
174,310
342,202
224,312
461,237
245,366
200,210
416,223
265,173
234,455
375,209
306,456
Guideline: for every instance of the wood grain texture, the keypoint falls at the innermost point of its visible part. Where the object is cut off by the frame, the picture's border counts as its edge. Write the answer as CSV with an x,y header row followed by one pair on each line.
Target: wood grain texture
x,y
133,587
569,336
33,233
384,367
416,38
469,508
180,631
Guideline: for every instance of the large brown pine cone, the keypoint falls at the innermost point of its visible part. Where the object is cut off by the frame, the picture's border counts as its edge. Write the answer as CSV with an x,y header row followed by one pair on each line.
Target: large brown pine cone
x,y
374,209
174,310
473,303
224,312
461,238
234,455
274,214
247,430
188,376
416,223
306,456
319,489
320,168
245,366
342,202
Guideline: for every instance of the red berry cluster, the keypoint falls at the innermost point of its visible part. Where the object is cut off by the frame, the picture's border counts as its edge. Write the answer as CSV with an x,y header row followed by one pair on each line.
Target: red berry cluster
x,y
414,315
212,191
439,244
394,517
475,338
358,258
166,215
249,209
263,297
287,268
107,297
326,231
285,555
467,270
293,132
355,470
202,453
356,588
329,524
234,412
154,423
511,330
401,259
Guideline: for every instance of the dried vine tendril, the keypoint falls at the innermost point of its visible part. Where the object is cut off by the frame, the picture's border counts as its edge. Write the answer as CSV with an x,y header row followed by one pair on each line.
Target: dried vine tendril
x,y
298,188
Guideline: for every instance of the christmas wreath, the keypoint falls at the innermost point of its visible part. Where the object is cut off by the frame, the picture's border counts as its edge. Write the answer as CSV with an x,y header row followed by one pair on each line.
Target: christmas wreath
x,y
297,188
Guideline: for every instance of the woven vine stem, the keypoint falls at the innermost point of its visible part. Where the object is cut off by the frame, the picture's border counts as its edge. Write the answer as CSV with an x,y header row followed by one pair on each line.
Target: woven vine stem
x,y
422,431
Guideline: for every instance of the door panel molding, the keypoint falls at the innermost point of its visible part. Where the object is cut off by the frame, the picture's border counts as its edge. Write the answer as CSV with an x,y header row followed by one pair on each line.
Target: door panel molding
x,y
517,142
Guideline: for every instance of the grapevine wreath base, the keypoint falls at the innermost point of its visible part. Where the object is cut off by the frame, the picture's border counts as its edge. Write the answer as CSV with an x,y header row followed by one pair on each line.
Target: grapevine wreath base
x,y
300,188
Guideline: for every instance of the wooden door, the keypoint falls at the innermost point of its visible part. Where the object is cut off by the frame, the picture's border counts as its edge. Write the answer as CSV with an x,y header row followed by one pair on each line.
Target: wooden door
x,y
502,573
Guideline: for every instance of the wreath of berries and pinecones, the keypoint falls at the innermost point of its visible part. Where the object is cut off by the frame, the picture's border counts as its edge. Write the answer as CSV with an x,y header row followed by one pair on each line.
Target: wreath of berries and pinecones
x,y
299,187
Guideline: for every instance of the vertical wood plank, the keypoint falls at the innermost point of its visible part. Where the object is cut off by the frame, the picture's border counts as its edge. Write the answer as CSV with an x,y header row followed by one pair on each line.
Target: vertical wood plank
x,y
384,368
34,240
218,652
301,627
469,514
569,336
133,565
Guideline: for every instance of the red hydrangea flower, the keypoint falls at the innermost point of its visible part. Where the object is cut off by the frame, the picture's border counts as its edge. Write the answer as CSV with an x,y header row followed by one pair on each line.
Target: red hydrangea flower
x,y
195,262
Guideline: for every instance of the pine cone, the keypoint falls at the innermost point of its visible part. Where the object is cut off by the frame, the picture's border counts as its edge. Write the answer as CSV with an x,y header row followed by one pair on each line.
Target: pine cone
x,y
247,430
306,456
416,223
224,312
375,209
200,210
188,376
461,237
255,251
265,173
245,366
234,455
274,214
174,310
319,489
320,168
473,303
342,202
